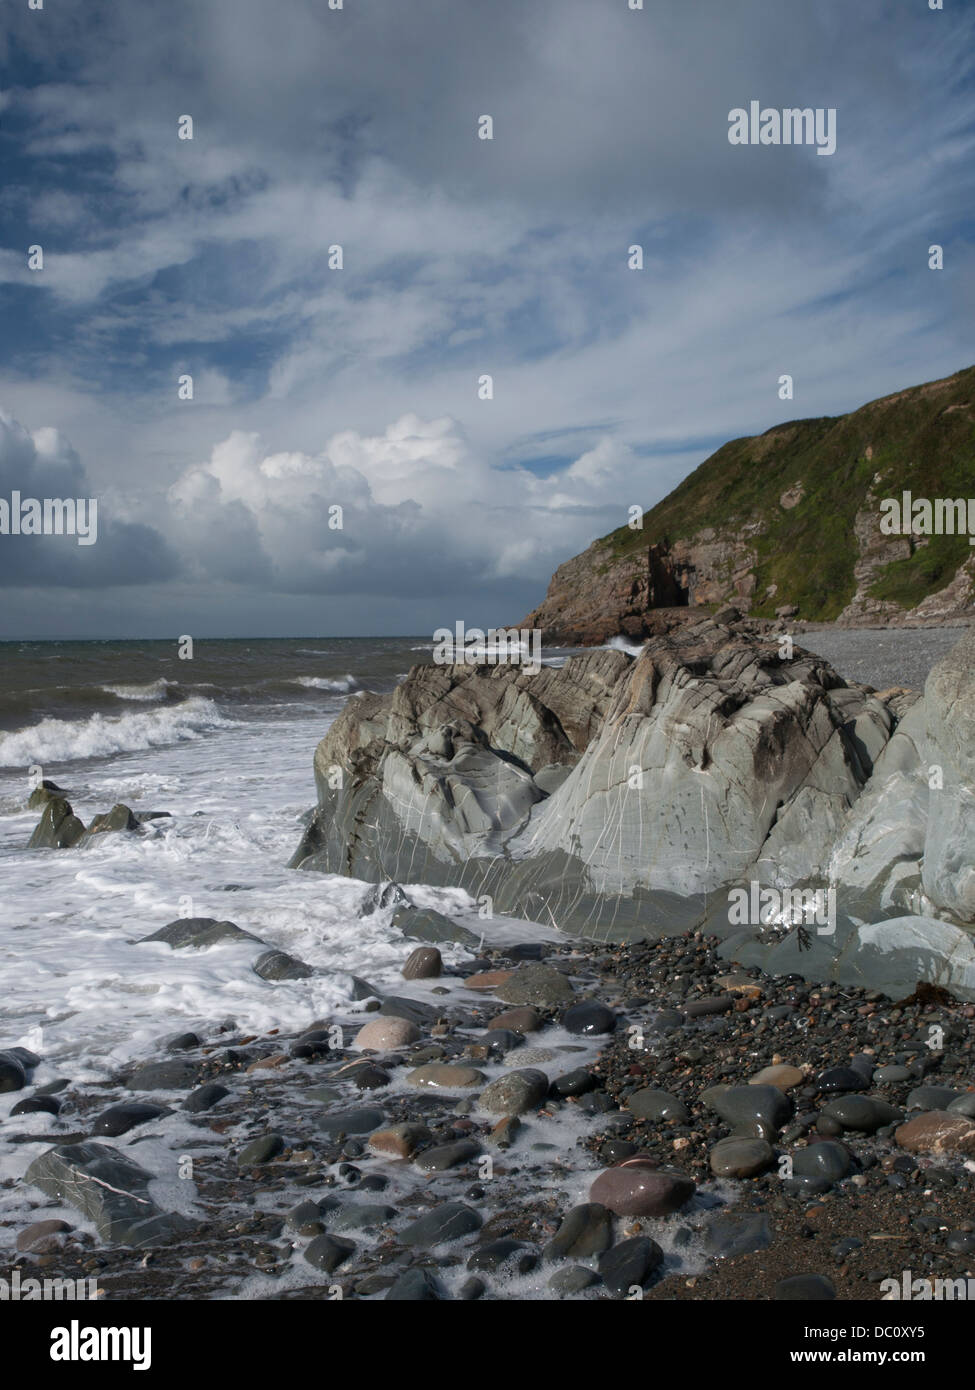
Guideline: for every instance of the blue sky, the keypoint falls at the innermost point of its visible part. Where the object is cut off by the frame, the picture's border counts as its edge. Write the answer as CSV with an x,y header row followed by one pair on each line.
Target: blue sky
x,y
358,387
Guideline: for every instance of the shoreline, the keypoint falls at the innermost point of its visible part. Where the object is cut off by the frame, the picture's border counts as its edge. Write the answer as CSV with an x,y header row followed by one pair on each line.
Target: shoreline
x,y
700,1021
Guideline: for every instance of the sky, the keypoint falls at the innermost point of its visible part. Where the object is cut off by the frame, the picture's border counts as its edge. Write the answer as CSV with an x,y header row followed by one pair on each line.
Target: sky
x,y
359,388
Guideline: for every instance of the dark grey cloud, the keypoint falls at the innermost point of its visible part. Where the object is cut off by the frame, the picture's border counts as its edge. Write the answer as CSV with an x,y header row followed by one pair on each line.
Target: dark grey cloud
x,y
42,468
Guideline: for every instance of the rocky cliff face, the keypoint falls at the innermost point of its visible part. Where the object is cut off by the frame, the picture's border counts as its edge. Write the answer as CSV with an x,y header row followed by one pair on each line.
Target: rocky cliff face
x,y
620,797
791,519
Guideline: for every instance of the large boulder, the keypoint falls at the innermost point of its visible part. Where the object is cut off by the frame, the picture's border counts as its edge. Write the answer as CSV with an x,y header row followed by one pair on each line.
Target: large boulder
x,y
707,758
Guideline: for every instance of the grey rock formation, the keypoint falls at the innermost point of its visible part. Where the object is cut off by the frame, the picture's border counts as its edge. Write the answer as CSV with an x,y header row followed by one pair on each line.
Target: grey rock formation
x,y
620,798
58,827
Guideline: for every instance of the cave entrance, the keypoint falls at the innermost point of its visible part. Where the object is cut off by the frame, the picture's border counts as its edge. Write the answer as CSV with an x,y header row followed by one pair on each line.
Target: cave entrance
x,y
669,583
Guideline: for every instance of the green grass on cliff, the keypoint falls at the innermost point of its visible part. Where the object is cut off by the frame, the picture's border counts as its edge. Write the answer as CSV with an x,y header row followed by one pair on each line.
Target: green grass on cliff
x,y
922,440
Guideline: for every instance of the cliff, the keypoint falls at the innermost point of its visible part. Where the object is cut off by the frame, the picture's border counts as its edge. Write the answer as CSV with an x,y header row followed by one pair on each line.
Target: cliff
x,y
791,520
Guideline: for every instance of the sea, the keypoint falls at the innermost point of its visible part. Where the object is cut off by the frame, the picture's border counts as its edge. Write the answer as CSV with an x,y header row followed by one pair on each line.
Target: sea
x,y
222,742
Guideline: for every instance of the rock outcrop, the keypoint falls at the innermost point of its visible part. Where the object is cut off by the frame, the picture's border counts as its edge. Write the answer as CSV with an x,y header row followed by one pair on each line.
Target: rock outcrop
x,y
791,518
620,798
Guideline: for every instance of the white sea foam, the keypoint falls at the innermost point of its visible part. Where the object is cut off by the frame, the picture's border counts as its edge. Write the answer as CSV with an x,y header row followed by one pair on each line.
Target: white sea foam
x,y
621,644
77,986
63,740
154,690
341,685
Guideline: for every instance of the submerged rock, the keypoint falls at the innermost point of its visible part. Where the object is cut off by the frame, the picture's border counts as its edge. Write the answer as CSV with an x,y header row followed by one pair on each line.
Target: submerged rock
x,y
198,932
278,965
424,924
108,1189
119,820
58,827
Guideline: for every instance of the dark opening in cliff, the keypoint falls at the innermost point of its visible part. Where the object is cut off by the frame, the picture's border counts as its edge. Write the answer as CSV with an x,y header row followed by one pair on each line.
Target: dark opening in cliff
x,y
668,583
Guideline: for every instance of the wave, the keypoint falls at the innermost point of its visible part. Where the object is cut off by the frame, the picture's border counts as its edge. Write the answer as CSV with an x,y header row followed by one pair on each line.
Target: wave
x,y
65,740
154,690
343,685
620,644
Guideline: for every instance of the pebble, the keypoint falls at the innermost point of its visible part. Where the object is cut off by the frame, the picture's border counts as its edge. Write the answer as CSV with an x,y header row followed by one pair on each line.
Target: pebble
x,y
442,1076
589,1017
415,1286
515,1093
784,1077
504,1133
841,1079
535,984
163,1076
42,1237
573,1083
572,1280
527,1057
13,1077
518,1020
634,1188
861,1113
360,1121
504,1255
444,1156
119,1119
401,1141
37,1105
740,1158
932,1098
630,1264
488,980
755,1112
447,1222
205,1097
731,1236
385,1033
425,963
328,1252
584,1231
888,1076
819,1165
651,1104
361,1216
261,1150
938,1132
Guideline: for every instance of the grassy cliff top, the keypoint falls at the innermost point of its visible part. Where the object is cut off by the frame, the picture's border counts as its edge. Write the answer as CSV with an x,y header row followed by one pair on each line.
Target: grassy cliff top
x,y
921,440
